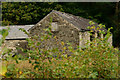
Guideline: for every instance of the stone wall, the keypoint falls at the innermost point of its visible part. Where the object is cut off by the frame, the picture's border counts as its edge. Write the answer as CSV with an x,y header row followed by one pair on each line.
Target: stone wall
x,y
110,40
13,44
66,32
84,37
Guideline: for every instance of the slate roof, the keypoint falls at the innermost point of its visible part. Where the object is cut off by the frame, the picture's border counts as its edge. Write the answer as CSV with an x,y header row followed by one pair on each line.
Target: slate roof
x,y
77,21
15,33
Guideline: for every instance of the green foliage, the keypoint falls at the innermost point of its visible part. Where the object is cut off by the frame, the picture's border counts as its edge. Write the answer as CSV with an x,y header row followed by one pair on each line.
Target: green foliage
x,y
94,61
4,33
23,13
26,11
3,50
3,69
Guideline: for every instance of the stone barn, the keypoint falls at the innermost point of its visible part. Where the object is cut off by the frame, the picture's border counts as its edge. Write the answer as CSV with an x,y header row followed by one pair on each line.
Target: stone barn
x,y
15,38
65,27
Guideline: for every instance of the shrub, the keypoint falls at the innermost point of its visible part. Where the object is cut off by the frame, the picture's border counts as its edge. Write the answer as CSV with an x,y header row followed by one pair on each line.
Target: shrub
x,y
94,61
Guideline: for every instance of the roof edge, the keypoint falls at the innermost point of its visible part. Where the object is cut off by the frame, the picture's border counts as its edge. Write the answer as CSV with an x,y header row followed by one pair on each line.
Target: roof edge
x,y
41,20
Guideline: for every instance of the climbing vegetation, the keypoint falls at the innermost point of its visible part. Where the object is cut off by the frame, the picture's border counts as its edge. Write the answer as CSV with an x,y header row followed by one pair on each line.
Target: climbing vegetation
x,y
96,60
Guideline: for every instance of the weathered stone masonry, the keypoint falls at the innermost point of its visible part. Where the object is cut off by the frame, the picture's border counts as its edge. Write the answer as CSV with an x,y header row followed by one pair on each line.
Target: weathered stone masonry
x,y
66,31
66,28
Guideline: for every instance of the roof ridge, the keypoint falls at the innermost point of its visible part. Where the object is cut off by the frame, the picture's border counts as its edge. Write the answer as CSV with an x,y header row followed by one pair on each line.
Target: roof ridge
x,y
77,21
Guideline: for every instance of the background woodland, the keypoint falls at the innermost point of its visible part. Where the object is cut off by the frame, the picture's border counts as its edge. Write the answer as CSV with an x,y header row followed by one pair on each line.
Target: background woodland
x,y
26,13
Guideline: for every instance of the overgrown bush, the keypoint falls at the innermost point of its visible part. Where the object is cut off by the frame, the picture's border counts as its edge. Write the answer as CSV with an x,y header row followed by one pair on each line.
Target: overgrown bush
x,y
3,51
95,61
